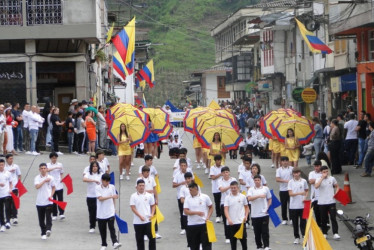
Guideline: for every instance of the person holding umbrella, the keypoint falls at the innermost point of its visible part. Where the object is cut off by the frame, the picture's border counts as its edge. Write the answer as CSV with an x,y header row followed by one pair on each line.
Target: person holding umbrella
x,y
124,151
292,147
217,148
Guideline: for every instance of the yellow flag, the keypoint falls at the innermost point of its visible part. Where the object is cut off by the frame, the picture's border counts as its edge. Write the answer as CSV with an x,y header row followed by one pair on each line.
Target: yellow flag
x,y
159,216
239,233
153,226
313,235
109,34
211,231
198,181
244,192
158,187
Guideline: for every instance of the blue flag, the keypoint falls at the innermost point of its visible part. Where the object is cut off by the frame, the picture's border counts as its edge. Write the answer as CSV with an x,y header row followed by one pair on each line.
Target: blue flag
x,y
112,178
274,217
274,200
122,225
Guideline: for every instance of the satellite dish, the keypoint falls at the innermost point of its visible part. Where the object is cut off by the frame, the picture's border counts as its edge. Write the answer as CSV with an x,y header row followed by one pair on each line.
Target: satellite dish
x,y
312,25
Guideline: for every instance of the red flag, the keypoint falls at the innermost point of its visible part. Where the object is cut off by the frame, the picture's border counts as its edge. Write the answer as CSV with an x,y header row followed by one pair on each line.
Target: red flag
x,y
342,197
15,200
61,204
306,209
21,188
68,183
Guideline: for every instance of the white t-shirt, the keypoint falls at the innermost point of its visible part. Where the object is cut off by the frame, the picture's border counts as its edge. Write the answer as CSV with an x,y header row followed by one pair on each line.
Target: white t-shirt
x,y
185,192
87,170
14,171
251,183
284,174
297,186
104,165
152,172
223,183
150,182
176,163
91,186
326,191
142,203
177,170
236,207
314,194
56,174
178,178
45,191
241,168
25,116
6,179
351,132
214,170
201,203
259,206
243,176
105,209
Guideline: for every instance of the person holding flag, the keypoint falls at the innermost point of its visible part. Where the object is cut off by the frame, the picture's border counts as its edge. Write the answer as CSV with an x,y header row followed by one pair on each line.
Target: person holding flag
x,y
143,206
45,184
314,194
283,176
236,212
216,175
56,170
15,173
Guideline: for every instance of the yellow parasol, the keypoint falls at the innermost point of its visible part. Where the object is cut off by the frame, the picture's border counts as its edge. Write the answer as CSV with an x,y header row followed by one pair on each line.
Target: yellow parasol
x,y
208,120
229,136
159,118
269,118
192,114
214,105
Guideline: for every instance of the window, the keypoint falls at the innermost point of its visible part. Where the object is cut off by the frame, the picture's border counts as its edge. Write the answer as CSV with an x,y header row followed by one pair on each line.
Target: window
x,y
371,45
243,67
340,46
44,12
11,12
267,48
221,87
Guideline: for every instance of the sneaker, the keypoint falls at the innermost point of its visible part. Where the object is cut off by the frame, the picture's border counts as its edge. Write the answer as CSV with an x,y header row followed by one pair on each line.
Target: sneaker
x,y
7,225
204,166
28,153
158,236
59,153
227,241
155,157
44,237
121,176
62,217
127,177
284,222
218,220
272,165
15,221
2,229
75,152
117,245
183,232
54,217
35,153
336,237
49,233
145,237
102,248
132,164
198,166
267,248
296,241
365,175
206,171
246,225
123,172
91,231
325,235
290,222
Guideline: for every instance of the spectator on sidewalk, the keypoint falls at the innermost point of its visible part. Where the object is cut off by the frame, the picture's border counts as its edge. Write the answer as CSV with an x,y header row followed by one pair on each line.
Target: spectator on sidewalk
x,y
17,129
34,120
351,140
318,138
369,157
56,130
70,131
101,125
25,129
361,130
334,147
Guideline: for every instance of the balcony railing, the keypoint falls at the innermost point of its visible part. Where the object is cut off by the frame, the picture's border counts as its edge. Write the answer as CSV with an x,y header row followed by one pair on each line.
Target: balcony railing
x,y
11,12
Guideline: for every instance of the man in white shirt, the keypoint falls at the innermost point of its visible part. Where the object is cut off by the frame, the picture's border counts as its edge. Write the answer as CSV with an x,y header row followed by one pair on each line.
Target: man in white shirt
x,y
143,206
283,176
236,212
224,188
198,207
2,128
106,195
260,198
25,131
182,155
103,161
148,163
45,185
56,170
327,205
183,194
6,187
15,173
351,140
34,120
215,174
298,190
245,173
314,194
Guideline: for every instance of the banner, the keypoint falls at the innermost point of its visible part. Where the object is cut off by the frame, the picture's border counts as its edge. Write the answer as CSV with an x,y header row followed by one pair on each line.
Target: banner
x,y
177,116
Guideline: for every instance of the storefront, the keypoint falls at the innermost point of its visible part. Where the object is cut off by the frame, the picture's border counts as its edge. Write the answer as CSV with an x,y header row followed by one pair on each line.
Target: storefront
x,y
344,93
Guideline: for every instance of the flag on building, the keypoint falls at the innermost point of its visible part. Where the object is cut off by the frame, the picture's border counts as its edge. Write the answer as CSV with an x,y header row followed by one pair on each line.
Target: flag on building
x,y
314,43
124,42
314,239
119,68
109,34
147,74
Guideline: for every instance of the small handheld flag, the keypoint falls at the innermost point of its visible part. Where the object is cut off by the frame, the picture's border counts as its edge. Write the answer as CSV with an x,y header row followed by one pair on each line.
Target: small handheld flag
x,y
306,209
239,233
153,226
342,197
274,217
21,188
158,187
68,183
211,231
16,200
159,216
61,204
198,181
112,178
274,200
122,225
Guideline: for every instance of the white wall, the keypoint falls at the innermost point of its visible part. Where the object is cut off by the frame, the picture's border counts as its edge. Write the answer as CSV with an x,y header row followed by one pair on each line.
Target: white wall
x,y
211,87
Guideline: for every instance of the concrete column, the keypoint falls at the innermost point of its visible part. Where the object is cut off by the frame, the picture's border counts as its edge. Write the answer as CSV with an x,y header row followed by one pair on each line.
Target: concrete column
x,y
30,50
81,81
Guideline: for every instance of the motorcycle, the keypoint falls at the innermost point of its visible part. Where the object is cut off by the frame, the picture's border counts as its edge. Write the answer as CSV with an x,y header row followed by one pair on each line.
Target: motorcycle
x,y
360,231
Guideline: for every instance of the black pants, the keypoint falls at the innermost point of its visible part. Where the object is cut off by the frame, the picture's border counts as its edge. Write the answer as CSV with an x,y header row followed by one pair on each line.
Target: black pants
x,y
217,202
184,218
180,207
45,219
296,216
75,143
261,230
5,203
285,201
102,223
317,214
335,156
13,210
55,138
58,195
80,143
227,234
91,204
140,231
232,231
325,210
351,149
197,234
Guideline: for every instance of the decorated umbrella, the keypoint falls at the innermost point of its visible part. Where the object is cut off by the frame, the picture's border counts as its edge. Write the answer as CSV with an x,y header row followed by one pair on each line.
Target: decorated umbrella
x,y
269,118
302,127
229,136
137,127
192,114
165,135
159,118
125,108
214,105
204,121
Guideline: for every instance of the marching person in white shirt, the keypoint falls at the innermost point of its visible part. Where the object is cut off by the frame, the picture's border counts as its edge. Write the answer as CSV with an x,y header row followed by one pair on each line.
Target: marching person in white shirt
x,y
224,187
103,161
182,155
93,178
314,194
91,159
45,185
216,174
106,195
198,207
236,212
6,187
245,173
260,198
56,170
143,206
15,173
148,163
183,194
298,190
283,176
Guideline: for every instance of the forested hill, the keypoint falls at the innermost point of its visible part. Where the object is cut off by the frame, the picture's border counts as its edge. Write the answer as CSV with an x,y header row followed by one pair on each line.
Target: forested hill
x,y
180,30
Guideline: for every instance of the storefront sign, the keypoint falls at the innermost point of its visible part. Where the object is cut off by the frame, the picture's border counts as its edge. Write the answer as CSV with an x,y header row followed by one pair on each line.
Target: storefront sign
x,y
348,82
11,75
309,95
335,84
296,94
265,85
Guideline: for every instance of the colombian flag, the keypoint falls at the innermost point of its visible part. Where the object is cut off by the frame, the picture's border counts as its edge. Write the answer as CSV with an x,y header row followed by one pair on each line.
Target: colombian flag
x,y
124,42
119,67
314,43
147,74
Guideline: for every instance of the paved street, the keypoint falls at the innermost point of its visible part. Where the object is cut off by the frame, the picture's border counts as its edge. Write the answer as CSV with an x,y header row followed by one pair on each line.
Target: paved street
x,y
73,232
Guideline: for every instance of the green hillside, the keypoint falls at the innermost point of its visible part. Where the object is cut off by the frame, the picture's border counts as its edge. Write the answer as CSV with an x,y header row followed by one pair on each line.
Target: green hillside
x,y
181,28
